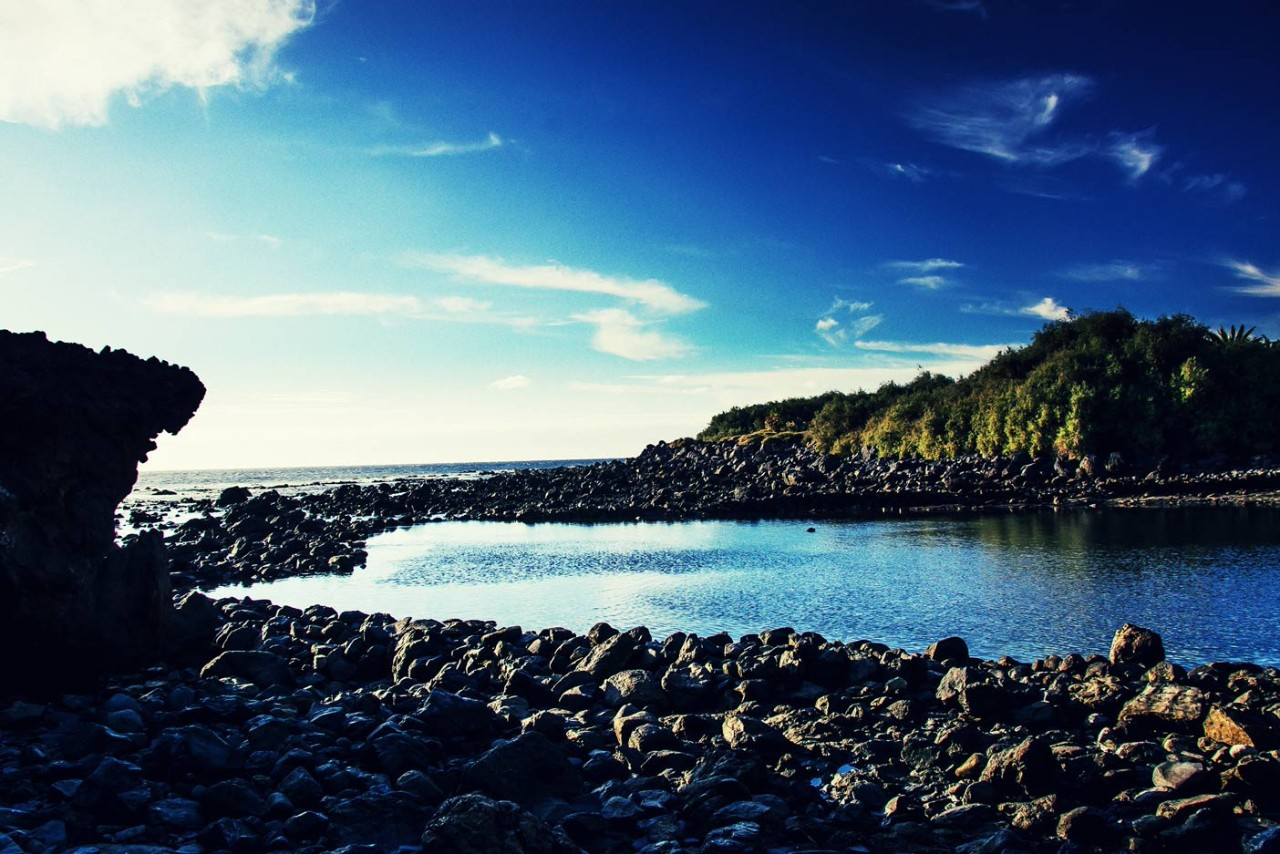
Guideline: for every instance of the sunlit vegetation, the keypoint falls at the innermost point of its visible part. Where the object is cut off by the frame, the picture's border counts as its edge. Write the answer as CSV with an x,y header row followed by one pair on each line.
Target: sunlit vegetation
x,y
1100,383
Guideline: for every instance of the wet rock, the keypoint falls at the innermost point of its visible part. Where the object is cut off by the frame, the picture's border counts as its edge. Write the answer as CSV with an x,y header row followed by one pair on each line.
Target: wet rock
x,y
948,649
386,820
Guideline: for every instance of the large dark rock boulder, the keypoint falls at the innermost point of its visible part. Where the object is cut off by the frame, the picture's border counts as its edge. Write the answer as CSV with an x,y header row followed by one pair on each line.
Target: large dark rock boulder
x,y
74,424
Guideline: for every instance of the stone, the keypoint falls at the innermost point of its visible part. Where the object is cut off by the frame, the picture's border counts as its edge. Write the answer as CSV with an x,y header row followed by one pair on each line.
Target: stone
x,y
383,819
474,824
1179,707
748,733
448,715
1184,777
1136,645
637,687
1236,725
1028,768
1180,809
263,669
948,649
1089,826
608,657
524,769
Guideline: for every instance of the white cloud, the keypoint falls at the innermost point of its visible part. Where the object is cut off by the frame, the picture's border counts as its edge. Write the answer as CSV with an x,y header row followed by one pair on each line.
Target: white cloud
x,y
929,283
12,265
62,61
283,305
440,148
979,352
1009,120
1135,153
854,323
1046,308
621,333
1111,271
913,172
511,383
926,266
651,293
1264,284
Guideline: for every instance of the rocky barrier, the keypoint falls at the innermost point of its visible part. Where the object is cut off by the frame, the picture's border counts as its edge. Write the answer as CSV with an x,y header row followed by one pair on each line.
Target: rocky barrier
x,y
320,731
244,537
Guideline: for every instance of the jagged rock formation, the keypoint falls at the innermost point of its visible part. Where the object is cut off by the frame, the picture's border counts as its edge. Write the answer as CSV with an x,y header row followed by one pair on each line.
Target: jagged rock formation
x,y
74,425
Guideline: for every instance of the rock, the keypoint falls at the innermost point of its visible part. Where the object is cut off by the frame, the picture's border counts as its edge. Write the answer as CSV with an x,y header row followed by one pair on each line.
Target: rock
x,y
637,687
1180,809
1028,768
386,820
1236,725
1179,707
608,657
1266,842
232,496
948,649
1184,777
263,669
748,733
1087,826
76,425
449,716
524,769
474,824
1136,645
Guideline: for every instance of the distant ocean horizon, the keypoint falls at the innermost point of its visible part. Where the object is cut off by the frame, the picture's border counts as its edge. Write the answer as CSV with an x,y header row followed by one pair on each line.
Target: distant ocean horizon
x,y
199,483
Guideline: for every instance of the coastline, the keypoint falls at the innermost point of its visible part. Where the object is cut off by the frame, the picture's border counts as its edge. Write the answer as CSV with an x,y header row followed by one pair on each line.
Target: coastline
x,y
276,728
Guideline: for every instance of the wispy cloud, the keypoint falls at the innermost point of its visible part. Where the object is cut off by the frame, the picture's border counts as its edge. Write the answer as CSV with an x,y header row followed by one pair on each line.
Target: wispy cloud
x,y
978,352
1112,271
12,265
62,61
227,237
440,148
926,272
1223,187
928,265
621,333
913,172
846,321
512,383
1264,284
651,293
1135,152
1046,308
1009,121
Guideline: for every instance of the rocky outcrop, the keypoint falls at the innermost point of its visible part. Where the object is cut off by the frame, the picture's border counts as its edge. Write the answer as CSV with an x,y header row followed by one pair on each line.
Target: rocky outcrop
x,y
75,424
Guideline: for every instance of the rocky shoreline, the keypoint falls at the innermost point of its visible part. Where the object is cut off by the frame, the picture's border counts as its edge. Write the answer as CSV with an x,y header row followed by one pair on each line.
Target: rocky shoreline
x,y
317,731
244,537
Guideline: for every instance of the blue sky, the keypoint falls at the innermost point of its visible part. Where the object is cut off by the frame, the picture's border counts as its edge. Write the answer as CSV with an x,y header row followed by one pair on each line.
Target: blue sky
x,y
420,232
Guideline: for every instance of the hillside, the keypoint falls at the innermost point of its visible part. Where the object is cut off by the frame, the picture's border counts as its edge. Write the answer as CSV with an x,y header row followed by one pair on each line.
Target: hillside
x,y
1101,383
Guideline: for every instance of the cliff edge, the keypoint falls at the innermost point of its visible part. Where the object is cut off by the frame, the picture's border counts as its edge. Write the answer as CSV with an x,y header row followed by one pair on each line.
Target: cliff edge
x,y
75,424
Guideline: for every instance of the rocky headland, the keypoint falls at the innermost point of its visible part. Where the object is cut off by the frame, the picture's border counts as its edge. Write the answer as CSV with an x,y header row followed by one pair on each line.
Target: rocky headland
x,y
134,725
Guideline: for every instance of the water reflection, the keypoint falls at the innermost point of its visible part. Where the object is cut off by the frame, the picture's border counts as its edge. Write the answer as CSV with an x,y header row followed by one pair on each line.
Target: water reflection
x,y
1021,584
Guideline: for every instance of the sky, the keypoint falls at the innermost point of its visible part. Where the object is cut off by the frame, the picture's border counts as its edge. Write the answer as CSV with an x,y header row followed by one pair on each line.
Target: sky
x,y
413,232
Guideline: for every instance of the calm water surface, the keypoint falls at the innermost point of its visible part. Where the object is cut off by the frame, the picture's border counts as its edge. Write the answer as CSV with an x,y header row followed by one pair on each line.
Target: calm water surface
x,y
1025,585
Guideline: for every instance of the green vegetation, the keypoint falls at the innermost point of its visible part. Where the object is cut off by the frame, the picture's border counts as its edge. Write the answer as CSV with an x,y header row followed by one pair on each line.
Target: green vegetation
x,y
1100,383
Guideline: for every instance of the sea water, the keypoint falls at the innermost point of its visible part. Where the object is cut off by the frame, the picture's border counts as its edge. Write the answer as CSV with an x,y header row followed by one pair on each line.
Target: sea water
x,y
1025,584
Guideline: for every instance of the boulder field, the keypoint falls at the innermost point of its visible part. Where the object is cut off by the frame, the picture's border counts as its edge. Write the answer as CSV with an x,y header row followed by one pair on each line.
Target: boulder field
x,y
320,731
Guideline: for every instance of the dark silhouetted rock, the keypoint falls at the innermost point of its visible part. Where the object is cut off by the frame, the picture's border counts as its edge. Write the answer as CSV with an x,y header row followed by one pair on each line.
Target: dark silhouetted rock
x,y
260,668
76,424
474,824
